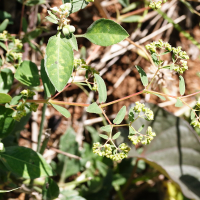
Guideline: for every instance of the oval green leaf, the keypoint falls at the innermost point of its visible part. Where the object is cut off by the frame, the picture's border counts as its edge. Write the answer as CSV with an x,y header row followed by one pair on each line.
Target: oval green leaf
x,y
103,136
5,98
6,80
49,89
107,128
7,123
94,108
160,96
50,192
76,4
179,103
116,135
105,32
62,110
72,41
143,75
192,115
27,73
25,162
181,85
120,115
59,61
101,88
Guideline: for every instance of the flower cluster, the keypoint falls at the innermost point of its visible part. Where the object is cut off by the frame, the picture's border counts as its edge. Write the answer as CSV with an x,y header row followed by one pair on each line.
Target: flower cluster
x,y
158,44
111,152
58,16
179,64
20,108
144,139
13,49
195,123
156,4
140,107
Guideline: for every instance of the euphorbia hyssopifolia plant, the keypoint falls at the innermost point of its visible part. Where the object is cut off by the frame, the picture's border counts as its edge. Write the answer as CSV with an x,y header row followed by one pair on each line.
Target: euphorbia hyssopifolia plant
x,y
57,67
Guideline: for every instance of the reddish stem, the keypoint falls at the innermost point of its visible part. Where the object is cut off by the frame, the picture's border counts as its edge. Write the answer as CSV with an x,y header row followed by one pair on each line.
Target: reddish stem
x,y
106,117
112,102
61,91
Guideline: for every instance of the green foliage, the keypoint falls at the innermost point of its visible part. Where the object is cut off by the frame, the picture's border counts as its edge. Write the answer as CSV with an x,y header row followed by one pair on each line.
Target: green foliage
x,y
5,98
48,86
4,25
143,75
25,162
62,110
6,80
57,69
94,108
105,32
101,88
179,103
120,115
50,189
27,73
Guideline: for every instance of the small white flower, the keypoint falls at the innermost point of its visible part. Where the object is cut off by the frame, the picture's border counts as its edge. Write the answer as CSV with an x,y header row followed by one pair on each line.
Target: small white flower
x,y
55,9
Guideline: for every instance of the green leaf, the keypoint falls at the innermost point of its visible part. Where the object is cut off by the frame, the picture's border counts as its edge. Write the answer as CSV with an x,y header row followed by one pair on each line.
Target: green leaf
x,y
105,32
27,73
131,131
62,110
174,152
192,114
101,88
155,59
94,108
52,20
25,162
76,4
143,75
6,80
131,116
5,98
124,3
181,85
70,195
4,25
131,19
130,7
140,129
4,191
48,86
103,136
59,61
68,166
116,135
50,189
179,103
160,96
6,121
107,128
73,42
120,115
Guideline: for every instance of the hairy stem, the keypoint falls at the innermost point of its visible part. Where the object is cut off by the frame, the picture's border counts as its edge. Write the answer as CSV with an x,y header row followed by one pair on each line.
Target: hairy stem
x,y
124,98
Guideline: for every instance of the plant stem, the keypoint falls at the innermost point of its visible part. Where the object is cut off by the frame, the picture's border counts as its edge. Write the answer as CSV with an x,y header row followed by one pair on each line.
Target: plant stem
x,y
153,78
120,125
140,47
79,35
127,97
41,127
106,117
68,103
